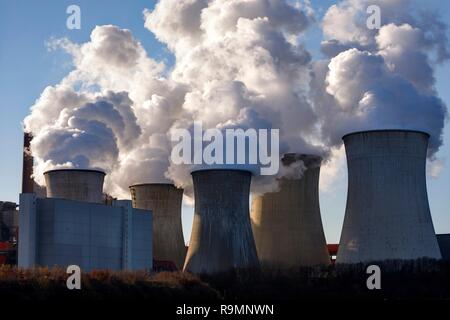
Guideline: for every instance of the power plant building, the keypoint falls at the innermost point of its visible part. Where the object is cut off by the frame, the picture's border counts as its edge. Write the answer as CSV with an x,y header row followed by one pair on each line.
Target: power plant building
x,y
387,214
64,231
221,237
287,224
165,201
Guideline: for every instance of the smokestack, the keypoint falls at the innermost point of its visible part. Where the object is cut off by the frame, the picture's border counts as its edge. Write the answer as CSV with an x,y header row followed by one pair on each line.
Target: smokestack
x,y
165,201
27,164
75,184
387,214
221,237
286,224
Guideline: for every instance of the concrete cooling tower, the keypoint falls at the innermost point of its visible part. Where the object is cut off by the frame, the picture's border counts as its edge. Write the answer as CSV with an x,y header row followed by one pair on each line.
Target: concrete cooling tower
x,y
221,237
387,214
286,224
75,184
165,201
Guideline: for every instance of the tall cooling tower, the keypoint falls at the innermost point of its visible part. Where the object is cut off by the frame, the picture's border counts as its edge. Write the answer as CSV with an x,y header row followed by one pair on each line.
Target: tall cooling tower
x,y
75,184
387,214
221,237
165,201
286,224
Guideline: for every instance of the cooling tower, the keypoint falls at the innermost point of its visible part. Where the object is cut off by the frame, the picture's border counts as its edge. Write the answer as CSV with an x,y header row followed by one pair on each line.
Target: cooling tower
x,y
221,237
75,184
387,214
165,201
286,224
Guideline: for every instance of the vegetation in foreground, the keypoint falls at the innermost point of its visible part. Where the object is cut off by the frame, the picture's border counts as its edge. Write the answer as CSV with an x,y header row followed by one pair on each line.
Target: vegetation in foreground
x,y
421,279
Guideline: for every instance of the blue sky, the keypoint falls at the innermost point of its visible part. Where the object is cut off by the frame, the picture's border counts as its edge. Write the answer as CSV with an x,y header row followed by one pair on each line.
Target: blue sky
x,y
27,67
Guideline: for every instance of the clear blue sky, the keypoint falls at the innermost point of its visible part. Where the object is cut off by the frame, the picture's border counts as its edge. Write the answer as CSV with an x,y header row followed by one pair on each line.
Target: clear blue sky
x,y
26,68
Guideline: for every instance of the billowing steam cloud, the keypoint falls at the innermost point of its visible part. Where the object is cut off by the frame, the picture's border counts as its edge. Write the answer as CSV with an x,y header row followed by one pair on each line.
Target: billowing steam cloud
x,y
237,64
379,79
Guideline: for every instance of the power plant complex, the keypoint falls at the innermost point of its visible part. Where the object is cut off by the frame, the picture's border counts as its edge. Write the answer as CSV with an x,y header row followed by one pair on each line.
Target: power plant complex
x,y
387,217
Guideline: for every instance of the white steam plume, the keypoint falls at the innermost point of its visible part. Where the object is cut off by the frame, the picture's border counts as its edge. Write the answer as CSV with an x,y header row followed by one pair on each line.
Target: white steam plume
x,y
237,64
379,79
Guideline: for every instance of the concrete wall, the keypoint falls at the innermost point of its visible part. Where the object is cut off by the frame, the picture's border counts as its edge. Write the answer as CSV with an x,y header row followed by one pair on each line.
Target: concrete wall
x,y
387,214
75,184
165,201
287,225
221,237
57,232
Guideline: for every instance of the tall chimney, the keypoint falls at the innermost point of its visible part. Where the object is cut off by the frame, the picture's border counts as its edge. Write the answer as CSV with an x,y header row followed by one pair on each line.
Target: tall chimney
x,y
75,184
165,201
387,214
286,224
27,164
221,237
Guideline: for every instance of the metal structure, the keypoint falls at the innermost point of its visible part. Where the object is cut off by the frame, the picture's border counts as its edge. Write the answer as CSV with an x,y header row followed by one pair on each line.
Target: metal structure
x,y
75,184
221,237
165,201
286,224
387,214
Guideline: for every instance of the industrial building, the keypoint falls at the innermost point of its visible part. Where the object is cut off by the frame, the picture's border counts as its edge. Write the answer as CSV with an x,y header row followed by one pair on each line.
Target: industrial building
x,y
287,225
74,227
221,237
165,201
9,223
387,213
